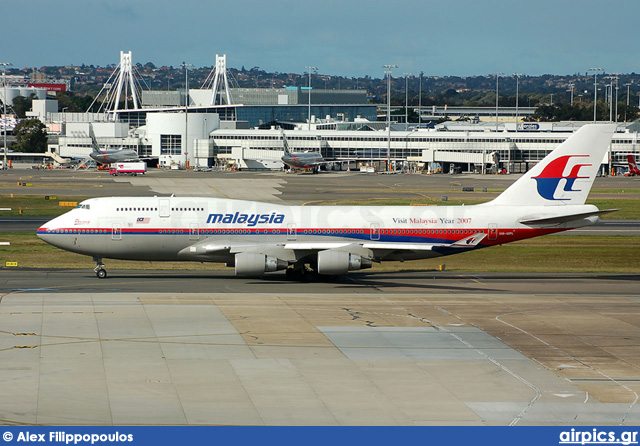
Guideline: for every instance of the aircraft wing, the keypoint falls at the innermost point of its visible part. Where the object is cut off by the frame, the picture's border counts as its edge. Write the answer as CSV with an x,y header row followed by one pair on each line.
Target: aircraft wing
x,y
293,250
471,241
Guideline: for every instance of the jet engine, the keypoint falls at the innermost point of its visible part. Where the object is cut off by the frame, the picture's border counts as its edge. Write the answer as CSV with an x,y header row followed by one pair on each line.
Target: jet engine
x,y
339,262
253,264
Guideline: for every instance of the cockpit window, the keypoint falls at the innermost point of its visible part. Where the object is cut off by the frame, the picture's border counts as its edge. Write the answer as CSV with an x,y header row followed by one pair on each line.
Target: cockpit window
x,y
83,206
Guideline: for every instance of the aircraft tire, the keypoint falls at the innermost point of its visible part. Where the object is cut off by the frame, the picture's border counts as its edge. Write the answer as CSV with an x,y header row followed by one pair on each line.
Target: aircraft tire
x,y
290,273
301,275
101,273
309,276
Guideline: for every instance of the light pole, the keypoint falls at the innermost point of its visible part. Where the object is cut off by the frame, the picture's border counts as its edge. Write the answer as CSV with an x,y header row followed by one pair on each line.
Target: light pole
x,y
617,87
497,75
406,100
609,95
613,77
420,102
309,69
571,85
387,71
186,111
4,106
517,76
484,166
595,89
625,110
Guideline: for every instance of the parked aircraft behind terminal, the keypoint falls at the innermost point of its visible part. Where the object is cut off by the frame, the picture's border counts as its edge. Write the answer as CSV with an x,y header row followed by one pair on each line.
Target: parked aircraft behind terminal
x,y
111,156
301,160
63,160
256,238
633,166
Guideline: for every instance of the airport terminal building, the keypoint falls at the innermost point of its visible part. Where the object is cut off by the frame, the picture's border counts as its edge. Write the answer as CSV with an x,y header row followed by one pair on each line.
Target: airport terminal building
x,y
248,135
241,128
446,150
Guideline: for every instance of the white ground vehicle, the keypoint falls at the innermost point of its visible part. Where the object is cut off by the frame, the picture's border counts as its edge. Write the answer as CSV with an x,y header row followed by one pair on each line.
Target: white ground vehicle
x,y
133,168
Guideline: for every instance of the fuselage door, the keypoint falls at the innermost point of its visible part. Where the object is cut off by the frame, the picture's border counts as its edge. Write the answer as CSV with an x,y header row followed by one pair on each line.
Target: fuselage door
x,y
375,231
164,207
493,231
194,233
116,232
292,233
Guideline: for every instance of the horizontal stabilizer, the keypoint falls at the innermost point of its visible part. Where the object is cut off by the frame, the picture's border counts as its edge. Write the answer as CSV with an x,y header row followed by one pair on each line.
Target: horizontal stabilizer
x,y
531,220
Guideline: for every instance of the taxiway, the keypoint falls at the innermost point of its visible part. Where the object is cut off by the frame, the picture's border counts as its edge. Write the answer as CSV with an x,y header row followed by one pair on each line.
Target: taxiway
x,y
402,348
391,349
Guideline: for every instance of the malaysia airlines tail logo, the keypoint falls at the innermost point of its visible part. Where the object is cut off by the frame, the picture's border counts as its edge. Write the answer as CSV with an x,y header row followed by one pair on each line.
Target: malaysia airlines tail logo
x,y
552,174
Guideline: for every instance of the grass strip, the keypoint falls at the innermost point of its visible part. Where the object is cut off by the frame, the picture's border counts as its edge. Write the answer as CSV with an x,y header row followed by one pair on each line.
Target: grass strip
x,y
567,253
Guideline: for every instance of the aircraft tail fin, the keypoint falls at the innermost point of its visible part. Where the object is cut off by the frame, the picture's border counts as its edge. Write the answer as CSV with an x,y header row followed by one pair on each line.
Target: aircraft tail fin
x,y
633,166
94,144
285,143
94,141
564,176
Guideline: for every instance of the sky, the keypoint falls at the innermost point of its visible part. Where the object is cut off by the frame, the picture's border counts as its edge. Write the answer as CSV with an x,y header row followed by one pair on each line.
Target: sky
x,y
349,38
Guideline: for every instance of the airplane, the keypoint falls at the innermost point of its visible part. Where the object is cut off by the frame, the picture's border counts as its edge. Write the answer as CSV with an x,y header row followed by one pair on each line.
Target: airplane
x,y
307,241
301,160
63,160
633,167
111,156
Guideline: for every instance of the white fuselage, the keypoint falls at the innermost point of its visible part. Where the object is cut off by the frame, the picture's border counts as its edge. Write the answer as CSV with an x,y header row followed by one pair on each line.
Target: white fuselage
x,y
187,228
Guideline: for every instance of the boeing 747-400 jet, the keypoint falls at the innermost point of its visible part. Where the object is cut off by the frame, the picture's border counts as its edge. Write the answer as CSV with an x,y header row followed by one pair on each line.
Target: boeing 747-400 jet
x,y
256,238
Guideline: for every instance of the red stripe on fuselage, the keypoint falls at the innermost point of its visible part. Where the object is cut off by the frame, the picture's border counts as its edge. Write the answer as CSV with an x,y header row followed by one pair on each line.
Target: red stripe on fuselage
x,y
385,235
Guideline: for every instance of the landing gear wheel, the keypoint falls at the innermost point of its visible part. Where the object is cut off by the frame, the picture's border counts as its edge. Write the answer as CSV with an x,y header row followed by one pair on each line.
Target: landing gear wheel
x,y
309,276
100,270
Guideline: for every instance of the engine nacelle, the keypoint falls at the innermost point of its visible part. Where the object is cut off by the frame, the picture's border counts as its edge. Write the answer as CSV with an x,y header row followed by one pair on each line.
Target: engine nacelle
x,y
255,264
339,262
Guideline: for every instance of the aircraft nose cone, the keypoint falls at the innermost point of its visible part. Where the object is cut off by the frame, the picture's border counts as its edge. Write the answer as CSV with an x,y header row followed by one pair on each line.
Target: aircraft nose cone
x,y
45,232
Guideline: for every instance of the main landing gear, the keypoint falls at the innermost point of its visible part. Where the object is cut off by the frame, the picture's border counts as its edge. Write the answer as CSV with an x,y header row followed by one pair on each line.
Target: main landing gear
x,y
301,274
100,270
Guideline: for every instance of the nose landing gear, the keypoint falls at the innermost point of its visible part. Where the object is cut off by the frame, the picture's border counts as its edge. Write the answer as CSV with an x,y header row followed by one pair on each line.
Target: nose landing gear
x,y
100,270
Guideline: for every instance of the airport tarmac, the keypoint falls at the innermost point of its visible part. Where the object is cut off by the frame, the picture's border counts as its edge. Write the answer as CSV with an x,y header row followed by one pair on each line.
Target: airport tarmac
x,y
402,348
276,187
145,347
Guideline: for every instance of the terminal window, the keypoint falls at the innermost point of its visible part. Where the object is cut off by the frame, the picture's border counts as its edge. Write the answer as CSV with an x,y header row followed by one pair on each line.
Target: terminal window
x,y
170,144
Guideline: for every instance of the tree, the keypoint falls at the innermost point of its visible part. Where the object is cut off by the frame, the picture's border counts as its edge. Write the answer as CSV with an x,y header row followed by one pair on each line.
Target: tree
x,y
31,136
73,102
21,104
566,112
51,71
628,112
